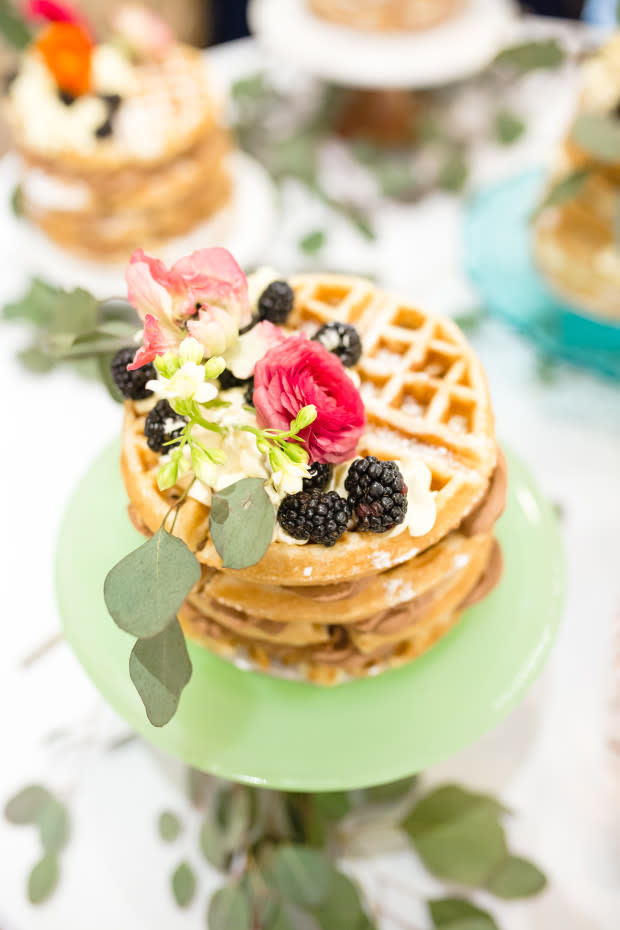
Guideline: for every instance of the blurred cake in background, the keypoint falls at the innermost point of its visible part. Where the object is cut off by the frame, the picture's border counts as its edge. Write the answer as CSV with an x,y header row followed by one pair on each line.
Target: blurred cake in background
x,y
577,233
121,142
387,14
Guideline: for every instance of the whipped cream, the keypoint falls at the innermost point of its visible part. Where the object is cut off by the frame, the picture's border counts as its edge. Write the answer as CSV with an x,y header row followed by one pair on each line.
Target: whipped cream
x,y
46,192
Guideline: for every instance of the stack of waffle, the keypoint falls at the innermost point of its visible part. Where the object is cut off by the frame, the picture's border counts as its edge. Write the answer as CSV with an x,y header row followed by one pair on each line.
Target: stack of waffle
x,y
576,241
152,166
372,601
384,15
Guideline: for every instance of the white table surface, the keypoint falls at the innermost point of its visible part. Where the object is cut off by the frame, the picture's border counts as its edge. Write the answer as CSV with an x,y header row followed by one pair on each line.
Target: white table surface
x,y
549,759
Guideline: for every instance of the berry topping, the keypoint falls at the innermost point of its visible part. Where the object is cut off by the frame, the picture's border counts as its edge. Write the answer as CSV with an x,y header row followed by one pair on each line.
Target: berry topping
x,y
314,516
319,477
343,340
131,384
227,380
377,494
163,424
104,130
65,97
276,302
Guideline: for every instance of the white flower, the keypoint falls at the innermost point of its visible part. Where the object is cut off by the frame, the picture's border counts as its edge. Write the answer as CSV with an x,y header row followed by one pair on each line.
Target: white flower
x,y
289,477
188,383
422,508
191,350
242,357
215,329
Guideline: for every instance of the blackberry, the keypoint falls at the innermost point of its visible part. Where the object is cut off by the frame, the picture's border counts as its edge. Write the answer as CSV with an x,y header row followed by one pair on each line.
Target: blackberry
x,y
162,425
227,380
105,130
248,396
66,97
343,340
131,384
276,302
319,477
315,517
377,494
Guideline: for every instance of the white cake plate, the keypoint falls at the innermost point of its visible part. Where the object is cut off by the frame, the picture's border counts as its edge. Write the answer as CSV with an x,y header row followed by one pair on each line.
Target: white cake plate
x,y
451,51
243,227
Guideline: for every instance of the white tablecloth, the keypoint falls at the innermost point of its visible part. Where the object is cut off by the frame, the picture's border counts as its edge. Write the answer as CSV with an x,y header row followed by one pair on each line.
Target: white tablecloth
x,y
550,759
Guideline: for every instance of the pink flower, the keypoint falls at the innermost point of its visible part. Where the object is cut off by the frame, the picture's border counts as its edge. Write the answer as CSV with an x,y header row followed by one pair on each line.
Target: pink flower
x,y
243,356
145,32
298,372
158,339
53,12
214,277
209,281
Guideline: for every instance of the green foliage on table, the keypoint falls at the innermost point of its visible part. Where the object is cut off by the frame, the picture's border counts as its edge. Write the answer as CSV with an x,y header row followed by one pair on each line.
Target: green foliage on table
x,y
508,127
531,56
35,806
72,326
169,826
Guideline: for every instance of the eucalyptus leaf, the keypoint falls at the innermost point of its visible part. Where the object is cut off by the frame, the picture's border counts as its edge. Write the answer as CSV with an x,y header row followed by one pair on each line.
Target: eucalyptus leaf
x,y
313,242
17,199
457,834
13,27
332,805
36,360
453,172
53,823
290,917
183,884
149,585
342,907
36,306
26,806
160,668
241,523
234,814
213,843
299,874
531,56
169,826
508,127
230,908
599,135
43,879
104,363
516,878
459,914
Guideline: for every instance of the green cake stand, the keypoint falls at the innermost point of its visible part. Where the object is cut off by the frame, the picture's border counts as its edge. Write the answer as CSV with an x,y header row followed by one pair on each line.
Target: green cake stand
x,y
250,727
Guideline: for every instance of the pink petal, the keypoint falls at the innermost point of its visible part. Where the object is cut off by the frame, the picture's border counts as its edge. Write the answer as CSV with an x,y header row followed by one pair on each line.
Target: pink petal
x,y
153,289
213,276
157,341
53,12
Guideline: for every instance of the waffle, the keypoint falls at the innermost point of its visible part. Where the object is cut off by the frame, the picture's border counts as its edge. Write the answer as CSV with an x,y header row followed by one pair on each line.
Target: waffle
x,y
385,15
161,173
575,243
329,655
426,397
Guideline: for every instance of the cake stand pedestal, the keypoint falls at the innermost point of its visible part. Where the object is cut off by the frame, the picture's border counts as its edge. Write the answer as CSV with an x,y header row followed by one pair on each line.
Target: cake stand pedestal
x,y
253,727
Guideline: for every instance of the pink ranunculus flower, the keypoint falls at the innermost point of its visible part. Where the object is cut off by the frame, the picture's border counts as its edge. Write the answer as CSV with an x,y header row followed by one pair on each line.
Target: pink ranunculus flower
x,y
158,339
145,32
298,372
52,11
206,281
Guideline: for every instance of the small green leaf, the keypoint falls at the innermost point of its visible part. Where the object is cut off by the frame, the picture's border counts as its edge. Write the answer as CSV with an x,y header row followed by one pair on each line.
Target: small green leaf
x,y
17,200
457,834
103,363
342,907
26,806
300,874
53,823
567,188
183,885
13,27
241,523
234,815
531,56
459,914
516,878
213,843
43,879
290,917
36,360
36,306
332,805
508,127
229,909
313,242
169,826
454,172
599,135
160,668
149,585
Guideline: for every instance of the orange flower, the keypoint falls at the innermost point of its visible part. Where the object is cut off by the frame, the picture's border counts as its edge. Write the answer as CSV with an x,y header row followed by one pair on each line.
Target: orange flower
x,y
67,50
